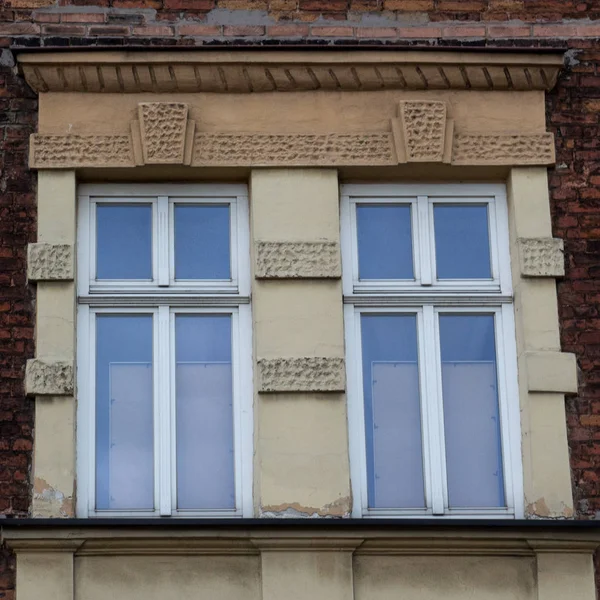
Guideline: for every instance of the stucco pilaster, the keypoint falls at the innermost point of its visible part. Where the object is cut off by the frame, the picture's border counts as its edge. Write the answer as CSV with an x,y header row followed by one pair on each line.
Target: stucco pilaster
x,y
50,376
302,449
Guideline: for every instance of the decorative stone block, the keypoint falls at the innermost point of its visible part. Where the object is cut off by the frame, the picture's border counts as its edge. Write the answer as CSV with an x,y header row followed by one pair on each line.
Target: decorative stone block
x,y
50,262
308,374
509,149
541,257
67,151
551,372
49,377
300,150
424,128
298,260
163,128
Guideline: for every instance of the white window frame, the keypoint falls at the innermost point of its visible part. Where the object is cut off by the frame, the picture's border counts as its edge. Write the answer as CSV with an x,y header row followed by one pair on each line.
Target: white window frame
x,y
164,298
426,298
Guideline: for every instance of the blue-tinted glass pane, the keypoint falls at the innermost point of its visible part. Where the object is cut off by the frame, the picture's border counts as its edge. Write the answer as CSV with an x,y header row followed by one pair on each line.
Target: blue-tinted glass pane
x,y
202,244
124,421
392,411
471,412
384,241
462,244
205,449
124,245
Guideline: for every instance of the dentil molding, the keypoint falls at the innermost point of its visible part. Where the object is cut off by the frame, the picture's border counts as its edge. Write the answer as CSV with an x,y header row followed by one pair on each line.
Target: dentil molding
x,y
287,71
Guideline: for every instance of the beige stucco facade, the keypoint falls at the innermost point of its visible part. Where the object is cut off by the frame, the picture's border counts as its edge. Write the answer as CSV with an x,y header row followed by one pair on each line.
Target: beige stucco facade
x,y
294,149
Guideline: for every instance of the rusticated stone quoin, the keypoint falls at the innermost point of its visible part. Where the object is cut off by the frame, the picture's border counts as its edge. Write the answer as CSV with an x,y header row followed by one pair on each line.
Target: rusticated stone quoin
x,y
46,377
50,262
424,129
163,128
298,260
541,257
308,374
510,149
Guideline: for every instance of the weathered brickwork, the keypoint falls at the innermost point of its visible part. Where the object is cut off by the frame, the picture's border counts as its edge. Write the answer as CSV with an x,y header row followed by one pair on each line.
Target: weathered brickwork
x,y
18,107
573,116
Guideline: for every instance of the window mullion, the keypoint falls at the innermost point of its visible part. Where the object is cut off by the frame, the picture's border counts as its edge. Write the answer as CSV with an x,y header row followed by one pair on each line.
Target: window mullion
x,y
163,412
424,249
162,241
433,412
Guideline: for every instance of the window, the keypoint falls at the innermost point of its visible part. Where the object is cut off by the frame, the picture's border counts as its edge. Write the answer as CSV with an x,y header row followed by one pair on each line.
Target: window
x,y
432,391
164,351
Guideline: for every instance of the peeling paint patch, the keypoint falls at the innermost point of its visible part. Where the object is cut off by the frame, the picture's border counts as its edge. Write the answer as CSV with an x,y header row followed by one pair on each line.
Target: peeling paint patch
x,y
49,502
540,510
338,509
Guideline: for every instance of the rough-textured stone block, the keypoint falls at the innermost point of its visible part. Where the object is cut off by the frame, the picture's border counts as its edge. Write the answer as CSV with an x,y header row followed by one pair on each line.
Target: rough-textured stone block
x,y
298,260
509,149
424,127
541,257
47,377
163,127
50,262
307,374
300,150
64,151
551,372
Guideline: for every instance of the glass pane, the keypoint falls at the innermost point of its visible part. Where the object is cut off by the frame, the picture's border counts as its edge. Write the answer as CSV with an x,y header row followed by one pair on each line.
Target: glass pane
x,y
202,241
392,411
462,244
205,451
124,412
471,412
124,244
384,241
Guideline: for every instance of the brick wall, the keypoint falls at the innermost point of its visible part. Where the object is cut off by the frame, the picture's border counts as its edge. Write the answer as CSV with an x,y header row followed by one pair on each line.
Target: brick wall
x,y
18,107
573,114
191,22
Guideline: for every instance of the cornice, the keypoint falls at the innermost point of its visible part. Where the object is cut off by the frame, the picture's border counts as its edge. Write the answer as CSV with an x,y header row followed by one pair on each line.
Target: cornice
x,y
287,71
197,541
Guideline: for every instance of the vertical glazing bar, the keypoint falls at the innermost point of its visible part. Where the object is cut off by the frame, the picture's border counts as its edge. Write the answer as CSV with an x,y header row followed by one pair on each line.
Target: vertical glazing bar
x,y
162,241
433,412
424,241
163,367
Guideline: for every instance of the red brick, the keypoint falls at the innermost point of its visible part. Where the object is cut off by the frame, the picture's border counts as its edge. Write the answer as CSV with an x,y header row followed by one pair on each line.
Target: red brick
x,y
243,30
419,32
408,5
83,18
457,31
46,17
153,31
189,5
243,4
332,31
508,31
562,30
156,4
376,32
324,5
108,30
288,30
19,29
199,30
